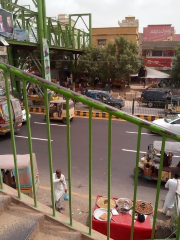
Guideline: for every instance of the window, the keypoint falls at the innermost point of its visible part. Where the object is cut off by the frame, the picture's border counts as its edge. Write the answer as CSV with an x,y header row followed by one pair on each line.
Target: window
x,y
156,53
101,41
176,122
169,53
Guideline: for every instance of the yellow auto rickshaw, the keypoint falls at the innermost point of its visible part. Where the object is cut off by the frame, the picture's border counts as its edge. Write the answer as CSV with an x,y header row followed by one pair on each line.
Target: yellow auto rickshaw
x,y
57,110
24,169
173,106
152,159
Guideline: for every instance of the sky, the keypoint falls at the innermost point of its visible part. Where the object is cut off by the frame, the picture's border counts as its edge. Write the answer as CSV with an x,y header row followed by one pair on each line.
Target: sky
x,y
106,13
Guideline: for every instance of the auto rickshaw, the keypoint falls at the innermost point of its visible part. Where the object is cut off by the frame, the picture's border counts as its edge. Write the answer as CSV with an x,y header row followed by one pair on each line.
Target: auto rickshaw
x,y
57,110
153,154
173,106
4,115
24,169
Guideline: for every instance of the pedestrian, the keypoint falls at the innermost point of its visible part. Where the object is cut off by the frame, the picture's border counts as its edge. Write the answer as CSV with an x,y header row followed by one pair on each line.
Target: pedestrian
x,y
144,82
59,187
170,197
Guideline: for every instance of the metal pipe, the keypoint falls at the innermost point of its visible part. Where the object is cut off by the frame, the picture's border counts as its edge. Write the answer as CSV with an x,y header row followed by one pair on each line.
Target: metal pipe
x,y
49,149
158,186
109,173
30,142
136,181
69,159
90,171
12,134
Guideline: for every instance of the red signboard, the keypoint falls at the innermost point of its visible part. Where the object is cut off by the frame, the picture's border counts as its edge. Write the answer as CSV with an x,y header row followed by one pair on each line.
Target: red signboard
x,y
157,62
157,33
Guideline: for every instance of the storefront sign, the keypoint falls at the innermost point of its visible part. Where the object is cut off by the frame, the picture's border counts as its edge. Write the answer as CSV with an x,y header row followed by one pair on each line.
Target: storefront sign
x,y
157,62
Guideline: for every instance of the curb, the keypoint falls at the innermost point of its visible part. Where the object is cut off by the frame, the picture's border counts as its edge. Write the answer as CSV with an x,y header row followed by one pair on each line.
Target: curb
x,y
95,114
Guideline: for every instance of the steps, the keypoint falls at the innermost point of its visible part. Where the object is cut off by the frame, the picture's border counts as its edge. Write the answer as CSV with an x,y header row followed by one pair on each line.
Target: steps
x,y
20,222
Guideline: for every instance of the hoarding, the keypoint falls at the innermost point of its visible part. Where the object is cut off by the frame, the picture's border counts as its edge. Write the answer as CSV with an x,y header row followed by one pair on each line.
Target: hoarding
x,y
158,33
20,34
46,59
6,23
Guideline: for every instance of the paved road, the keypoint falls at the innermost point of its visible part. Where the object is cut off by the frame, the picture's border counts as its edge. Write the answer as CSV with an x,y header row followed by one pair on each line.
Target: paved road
x,y
124,136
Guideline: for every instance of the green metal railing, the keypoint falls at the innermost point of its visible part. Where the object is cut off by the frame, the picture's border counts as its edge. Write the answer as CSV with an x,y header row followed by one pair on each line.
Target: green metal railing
x,y
24,77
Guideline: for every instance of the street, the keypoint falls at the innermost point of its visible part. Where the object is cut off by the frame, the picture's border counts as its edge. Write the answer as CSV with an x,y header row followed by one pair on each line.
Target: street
x,y
124,137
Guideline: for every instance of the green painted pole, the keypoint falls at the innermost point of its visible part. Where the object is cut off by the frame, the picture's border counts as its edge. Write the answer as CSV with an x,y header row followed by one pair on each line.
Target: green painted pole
x,y
23,19
69,159
12,134
136,181
109,172
79,45
158,186
59,35
44,18
49,150
41,33
11,62
66,37
30,142
90,170
90,29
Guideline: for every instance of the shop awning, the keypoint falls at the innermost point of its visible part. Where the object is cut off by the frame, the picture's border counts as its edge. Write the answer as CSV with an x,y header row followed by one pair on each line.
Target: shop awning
x,y
152,73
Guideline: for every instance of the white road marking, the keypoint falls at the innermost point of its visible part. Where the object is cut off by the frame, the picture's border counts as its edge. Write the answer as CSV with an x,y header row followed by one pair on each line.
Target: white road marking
x,y
52,124
151,134
41,139
129,150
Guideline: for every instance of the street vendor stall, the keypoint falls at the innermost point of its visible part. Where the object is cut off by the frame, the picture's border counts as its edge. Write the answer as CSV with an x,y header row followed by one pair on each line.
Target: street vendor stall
x,y
120,224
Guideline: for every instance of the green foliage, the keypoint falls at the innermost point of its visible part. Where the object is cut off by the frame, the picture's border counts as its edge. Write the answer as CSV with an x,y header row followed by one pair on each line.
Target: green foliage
x,y
175,72
117,60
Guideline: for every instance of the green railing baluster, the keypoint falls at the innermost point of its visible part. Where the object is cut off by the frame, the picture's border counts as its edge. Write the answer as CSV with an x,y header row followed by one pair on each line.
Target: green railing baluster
x,y
136,180
90,170
158,186
1,180
30,142
178,224
12,134
49,149
69,158
109,172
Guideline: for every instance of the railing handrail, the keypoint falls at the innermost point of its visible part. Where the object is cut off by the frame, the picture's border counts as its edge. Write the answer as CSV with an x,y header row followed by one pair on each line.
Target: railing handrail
x,y
91,102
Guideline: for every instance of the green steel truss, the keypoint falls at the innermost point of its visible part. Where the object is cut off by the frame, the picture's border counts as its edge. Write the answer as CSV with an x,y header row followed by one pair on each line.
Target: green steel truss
x,y
27,77
38,26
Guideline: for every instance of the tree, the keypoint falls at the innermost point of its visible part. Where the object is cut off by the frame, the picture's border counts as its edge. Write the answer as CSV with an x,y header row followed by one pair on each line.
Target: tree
x,y
116,60
175,72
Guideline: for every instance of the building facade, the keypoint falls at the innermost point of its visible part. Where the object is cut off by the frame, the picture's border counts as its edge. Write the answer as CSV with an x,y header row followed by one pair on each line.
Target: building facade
x,y
158,45
127,28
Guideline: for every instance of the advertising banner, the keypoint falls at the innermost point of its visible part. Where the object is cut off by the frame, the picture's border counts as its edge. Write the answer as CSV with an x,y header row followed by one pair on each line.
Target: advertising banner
x,y
157,62
158,33
46,59
6,23
20,34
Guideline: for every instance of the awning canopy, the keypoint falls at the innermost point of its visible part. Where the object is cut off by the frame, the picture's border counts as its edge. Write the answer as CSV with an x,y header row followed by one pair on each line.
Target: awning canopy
x,y
152,73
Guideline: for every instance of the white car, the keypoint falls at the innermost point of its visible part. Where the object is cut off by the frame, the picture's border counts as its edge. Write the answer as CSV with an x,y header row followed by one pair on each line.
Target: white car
x,y
172,123
24,115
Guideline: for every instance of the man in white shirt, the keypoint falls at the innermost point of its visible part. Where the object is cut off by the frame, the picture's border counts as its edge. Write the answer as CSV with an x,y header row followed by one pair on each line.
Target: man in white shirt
x,y
59,187
1,24
170,197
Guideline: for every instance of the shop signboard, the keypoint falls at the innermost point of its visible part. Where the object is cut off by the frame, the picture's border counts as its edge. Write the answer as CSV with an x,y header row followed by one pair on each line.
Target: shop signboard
x,y
46,59
157,62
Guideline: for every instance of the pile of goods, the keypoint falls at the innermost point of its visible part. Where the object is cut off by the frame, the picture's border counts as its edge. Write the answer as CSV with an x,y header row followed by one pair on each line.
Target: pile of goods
x,y
124,204
144,207
103,202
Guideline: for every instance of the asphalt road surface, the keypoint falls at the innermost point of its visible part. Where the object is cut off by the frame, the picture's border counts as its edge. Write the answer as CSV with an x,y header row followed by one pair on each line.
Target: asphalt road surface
x,y
124,137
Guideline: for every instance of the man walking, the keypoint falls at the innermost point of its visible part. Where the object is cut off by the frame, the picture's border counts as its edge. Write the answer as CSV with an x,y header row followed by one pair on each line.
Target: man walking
x,y
170,197
59,187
